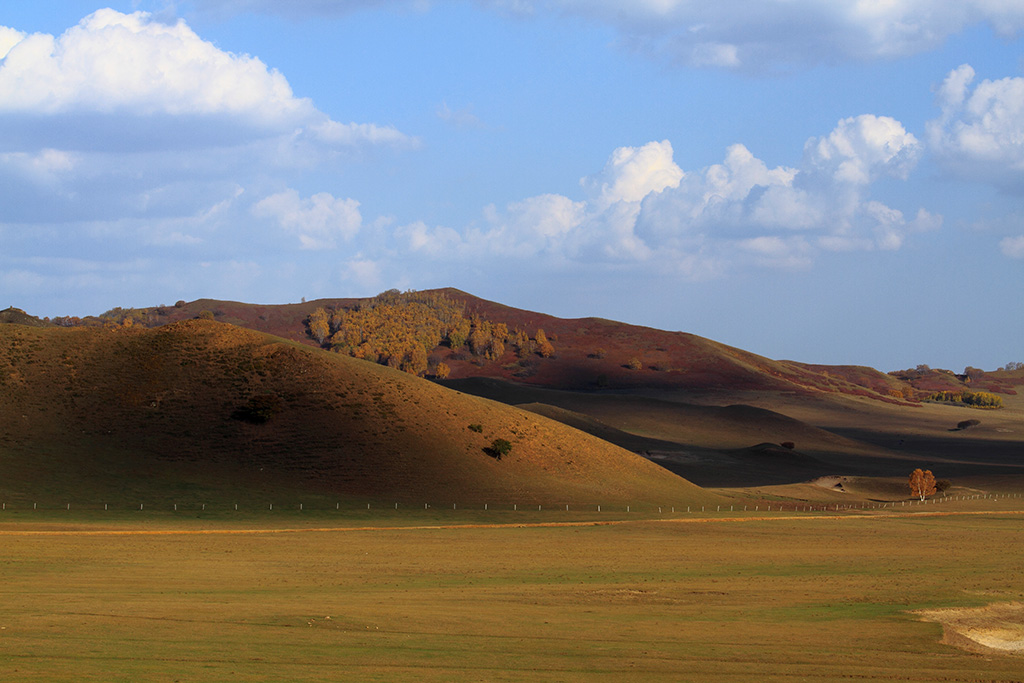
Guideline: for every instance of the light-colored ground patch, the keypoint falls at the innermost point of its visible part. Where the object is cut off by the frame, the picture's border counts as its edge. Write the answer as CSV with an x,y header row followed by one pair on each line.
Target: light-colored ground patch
x,y
998,627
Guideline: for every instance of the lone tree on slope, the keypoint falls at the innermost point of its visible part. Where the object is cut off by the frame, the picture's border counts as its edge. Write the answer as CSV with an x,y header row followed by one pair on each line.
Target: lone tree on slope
x,y
922,484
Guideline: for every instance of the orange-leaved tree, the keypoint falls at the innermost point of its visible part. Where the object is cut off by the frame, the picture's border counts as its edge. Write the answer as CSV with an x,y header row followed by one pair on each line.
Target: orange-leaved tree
x,y
922,484
319,327
544,347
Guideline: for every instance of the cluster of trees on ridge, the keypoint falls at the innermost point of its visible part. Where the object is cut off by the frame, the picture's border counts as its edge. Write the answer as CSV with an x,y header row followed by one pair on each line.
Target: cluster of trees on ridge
x,y
975,399
400,329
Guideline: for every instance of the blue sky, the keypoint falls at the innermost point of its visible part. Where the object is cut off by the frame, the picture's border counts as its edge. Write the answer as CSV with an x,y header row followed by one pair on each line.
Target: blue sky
x,y
832,181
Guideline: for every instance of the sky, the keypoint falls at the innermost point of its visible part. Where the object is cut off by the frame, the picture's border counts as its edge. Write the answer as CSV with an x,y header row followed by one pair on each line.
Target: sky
x,y
828,181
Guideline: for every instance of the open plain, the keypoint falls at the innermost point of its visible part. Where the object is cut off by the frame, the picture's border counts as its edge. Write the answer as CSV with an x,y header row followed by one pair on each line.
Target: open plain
x,y
468,595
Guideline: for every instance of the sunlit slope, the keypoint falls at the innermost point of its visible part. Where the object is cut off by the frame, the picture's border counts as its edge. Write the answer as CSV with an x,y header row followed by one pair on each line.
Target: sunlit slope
x,y
204,406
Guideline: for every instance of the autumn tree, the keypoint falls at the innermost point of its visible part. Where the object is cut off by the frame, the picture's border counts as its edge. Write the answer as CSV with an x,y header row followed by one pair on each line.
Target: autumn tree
x,y
544,347
922,484
415,362
319,327
635,364
524,345
458,335
442,370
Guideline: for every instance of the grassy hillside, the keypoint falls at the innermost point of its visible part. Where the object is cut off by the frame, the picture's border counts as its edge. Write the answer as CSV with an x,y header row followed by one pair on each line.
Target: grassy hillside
x,y
589,353
200,408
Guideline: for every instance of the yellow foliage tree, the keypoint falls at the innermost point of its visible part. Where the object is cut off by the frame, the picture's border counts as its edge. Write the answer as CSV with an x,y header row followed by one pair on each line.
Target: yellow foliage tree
x,y
544,347
922,483
319,325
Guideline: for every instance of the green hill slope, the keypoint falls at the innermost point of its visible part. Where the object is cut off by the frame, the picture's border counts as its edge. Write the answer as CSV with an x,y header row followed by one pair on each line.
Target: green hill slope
x,y
203,408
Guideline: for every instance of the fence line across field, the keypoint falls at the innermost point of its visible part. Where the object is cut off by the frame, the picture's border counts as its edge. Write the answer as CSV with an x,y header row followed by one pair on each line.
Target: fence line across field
x,y
508,507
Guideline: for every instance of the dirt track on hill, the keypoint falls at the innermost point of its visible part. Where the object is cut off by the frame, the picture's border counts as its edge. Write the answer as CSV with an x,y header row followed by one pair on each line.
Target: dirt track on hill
x,y
508,525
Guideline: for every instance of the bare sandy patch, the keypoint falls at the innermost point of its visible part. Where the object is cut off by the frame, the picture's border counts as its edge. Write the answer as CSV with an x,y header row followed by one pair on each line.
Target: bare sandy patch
x,y
996,628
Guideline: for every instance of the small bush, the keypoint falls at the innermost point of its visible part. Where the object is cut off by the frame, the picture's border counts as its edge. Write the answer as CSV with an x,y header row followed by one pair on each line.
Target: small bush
x,y
476,428
499,448
967,424
635,364
788,444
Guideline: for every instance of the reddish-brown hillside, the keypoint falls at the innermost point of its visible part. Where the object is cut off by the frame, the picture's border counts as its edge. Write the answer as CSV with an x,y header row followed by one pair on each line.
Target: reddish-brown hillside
x,y
589,353
202,405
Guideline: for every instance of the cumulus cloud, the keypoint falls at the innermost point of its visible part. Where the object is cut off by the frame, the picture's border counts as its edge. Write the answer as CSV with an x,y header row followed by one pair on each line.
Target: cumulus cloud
x,y
319,221
120,75
862,148
980,133
124,117
112,61
9,37
632,173
642,207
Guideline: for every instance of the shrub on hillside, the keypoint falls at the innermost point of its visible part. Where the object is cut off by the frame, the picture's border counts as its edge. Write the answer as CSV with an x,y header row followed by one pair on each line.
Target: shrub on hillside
x,y
499,448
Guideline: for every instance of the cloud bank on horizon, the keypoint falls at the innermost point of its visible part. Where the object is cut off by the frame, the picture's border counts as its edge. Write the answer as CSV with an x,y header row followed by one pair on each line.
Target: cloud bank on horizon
x,y
140,157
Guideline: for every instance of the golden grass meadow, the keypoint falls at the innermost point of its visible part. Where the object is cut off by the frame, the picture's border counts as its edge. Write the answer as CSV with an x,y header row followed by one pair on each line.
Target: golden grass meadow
x,y
468,595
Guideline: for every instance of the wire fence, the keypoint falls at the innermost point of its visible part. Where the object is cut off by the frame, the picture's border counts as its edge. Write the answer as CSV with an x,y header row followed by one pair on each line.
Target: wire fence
x,y
618,508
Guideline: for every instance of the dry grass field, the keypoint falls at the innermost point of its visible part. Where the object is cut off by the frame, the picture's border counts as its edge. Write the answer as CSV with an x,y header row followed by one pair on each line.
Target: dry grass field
x,y
817,597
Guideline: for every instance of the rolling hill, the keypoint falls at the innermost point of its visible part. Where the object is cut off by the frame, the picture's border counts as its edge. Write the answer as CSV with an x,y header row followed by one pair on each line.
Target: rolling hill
x,y
714,414
589,353
202,408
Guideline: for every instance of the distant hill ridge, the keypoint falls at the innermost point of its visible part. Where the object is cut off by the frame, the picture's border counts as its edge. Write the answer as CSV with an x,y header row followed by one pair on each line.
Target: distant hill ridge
x,y
588,353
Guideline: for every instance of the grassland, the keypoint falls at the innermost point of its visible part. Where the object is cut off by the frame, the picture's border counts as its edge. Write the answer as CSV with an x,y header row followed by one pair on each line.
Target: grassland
x,y
130,597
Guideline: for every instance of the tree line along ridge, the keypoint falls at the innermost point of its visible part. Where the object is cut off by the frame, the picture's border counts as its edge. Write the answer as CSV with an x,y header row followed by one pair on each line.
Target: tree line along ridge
x,y
401,329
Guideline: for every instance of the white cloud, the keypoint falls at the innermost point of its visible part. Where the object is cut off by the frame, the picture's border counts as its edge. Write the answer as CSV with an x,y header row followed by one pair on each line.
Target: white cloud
x,y
632,173
319,221
644,208
740,173
128,76
43,167
548,215
776,33
1012,246
123,117
980,134
731,34
9,37
334,133
862,148
112,61
439,241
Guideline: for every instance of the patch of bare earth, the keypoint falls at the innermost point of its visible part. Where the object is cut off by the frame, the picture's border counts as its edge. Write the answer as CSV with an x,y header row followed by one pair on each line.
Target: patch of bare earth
x,y
997,628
